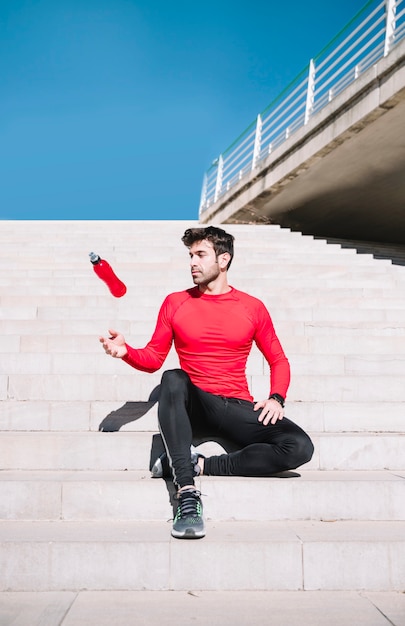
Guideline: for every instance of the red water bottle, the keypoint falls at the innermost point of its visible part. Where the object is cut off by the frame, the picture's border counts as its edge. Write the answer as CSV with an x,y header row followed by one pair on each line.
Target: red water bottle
x,y
106,273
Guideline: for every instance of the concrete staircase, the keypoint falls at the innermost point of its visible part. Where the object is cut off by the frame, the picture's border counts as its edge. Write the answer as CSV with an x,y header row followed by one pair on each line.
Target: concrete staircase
x,y
78,509
395,252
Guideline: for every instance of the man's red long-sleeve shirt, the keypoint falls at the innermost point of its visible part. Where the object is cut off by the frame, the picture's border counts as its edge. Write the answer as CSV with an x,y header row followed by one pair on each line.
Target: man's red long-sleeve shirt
x,y
213,336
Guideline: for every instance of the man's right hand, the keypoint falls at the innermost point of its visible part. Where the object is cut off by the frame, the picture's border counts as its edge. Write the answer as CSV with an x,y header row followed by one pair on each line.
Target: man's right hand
x,y
114,344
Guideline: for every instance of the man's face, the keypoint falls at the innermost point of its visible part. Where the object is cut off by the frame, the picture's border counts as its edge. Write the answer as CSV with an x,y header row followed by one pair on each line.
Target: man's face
x,y
203,262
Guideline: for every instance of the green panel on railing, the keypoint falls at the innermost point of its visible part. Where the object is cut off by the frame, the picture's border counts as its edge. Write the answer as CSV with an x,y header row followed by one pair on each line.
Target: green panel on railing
x,y
344,29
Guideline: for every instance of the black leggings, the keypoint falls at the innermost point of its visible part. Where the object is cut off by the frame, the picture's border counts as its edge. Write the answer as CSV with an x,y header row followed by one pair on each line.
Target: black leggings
x,y
187,415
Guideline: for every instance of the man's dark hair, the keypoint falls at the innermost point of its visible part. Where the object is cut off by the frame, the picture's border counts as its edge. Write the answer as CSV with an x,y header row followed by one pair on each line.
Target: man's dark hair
x,y
221,241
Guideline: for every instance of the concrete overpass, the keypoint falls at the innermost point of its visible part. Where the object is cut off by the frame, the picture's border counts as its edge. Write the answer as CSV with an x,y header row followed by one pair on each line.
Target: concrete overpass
x,y
340,175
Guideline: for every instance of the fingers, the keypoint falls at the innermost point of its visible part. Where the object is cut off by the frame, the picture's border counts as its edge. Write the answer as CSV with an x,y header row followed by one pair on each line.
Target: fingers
x,y
114,345
111,350
109,347
271,412
278,415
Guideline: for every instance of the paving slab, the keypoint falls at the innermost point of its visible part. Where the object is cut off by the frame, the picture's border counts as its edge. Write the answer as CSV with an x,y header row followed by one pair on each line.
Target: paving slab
x,y
391,605
48,608
217,608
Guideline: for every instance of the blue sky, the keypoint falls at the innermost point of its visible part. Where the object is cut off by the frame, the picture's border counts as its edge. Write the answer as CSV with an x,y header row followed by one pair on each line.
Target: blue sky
x,y
113,109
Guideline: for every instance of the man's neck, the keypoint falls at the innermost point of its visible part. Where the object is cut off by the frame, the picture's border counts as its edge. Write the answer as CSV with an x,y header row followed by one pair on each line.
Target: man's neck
x,y
216,288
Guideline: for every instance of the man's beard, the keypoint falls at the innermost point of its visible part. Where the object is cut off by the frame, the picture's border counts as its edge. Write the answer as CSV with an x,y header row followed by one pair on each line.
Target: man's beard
x,y
206,278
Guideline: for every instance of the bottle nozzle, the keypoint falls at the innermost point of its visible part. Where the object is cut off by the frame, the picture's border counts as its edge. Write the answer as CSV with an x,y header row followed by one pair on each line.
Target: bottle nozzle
x,y
94,258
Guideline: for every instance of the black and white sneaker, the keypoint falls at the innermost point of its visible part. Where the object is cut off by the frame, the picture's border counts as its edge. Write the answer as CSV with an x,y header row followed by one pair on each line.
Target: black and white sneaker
x,y
188,522
161,467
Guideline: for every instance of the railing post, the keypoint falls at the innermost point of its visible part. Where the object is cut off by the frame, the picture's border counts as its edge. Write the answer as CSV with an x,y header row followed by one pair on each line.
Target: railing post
x,y
220,171
258,141
203,201
390,13
310,92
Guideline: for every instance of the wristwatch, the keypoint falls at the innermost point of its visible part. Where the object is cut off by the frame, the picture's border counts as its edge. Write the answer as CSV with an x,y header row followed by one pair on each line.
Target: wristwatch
x,y
276,396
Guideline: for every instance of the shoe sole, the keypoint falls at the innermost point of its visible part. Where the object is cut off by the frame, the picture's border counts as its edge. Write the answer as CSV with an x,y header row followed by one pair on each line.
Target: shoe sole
x,y
190,533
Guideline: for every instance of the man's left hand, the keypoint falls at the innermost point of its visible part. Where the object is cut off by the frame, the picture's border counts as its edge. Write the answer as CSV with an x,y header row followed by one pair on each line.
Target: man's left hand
x,y
271,411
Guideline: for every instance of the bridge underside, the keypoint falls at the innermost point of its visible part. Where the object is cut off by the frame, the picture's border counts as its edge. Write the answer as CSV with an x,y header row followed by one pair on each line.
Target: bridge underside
x,y
357,191
344,177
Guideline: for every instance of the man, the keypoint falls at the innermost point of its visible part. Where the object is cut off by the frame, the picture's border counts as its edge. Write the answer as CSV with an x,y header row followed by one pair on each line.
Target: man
x,y
213,327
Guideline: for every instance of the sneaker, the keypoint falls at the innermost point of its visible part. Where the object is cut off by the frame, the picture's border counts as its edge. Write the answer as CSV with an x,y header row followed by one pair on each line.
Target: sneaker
x,y
188,522
161,467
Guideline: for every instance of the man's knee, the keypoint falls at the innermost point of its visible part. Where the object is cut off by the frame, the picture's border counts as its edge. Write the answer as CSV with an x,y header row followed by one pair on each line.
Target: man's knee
x,y
305,448
174,381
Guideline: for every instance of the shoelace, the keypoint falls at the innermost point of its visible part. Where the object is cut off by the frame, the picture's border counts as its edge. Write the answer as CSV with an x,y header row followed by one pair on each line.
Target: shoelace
x,y
189,504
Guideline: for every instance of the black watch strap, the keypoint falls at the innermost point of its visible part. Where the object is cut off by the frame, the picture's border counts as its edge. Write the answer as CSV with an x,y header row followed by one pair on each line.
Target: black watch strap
x,y
276,396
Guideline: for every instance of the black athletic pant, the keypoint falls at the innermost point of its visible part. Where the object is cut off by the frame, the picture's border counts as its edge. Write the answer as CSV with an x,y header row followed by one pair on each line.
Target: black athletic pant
x,y
189,415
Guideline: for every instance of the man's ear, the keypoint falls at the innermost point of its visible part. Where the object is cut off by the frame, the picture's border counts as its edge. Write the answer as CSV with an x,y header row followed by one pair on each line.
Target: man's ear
x,y
224,259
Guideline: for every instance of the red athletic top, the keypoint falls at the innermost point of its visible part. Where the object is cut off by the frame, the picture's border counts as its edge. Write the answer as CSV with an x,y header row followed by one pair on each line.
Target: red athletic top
x,y
213,336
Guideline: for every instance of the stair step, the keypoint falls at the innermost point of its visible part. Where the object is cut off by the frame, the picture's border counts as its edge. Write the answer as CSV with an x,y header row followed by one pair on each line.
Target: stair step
x,y
133,495
317,364
93,328
131,451
55,257
119,555
33,415
127,264
80,285
337,388
122,385
318,313
379,347
347,298
78,416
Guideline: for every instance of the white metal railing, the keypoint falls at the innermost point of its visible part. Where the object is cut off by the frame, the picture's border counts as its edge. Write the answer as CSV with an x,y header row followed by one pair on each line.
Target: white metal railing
x,y
369,36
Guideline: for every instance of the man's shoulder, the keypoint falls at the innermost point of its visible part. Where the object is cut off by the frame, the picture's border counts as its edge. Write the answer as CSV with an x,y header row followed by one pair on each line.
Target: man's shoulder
x,y
180,296
177,298
247,298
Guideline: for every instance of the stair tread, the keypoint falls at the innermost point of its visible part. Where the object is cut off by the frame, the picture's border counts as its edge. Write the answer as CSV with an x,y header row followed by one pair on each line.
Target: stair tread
x,y
117,531
305,475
